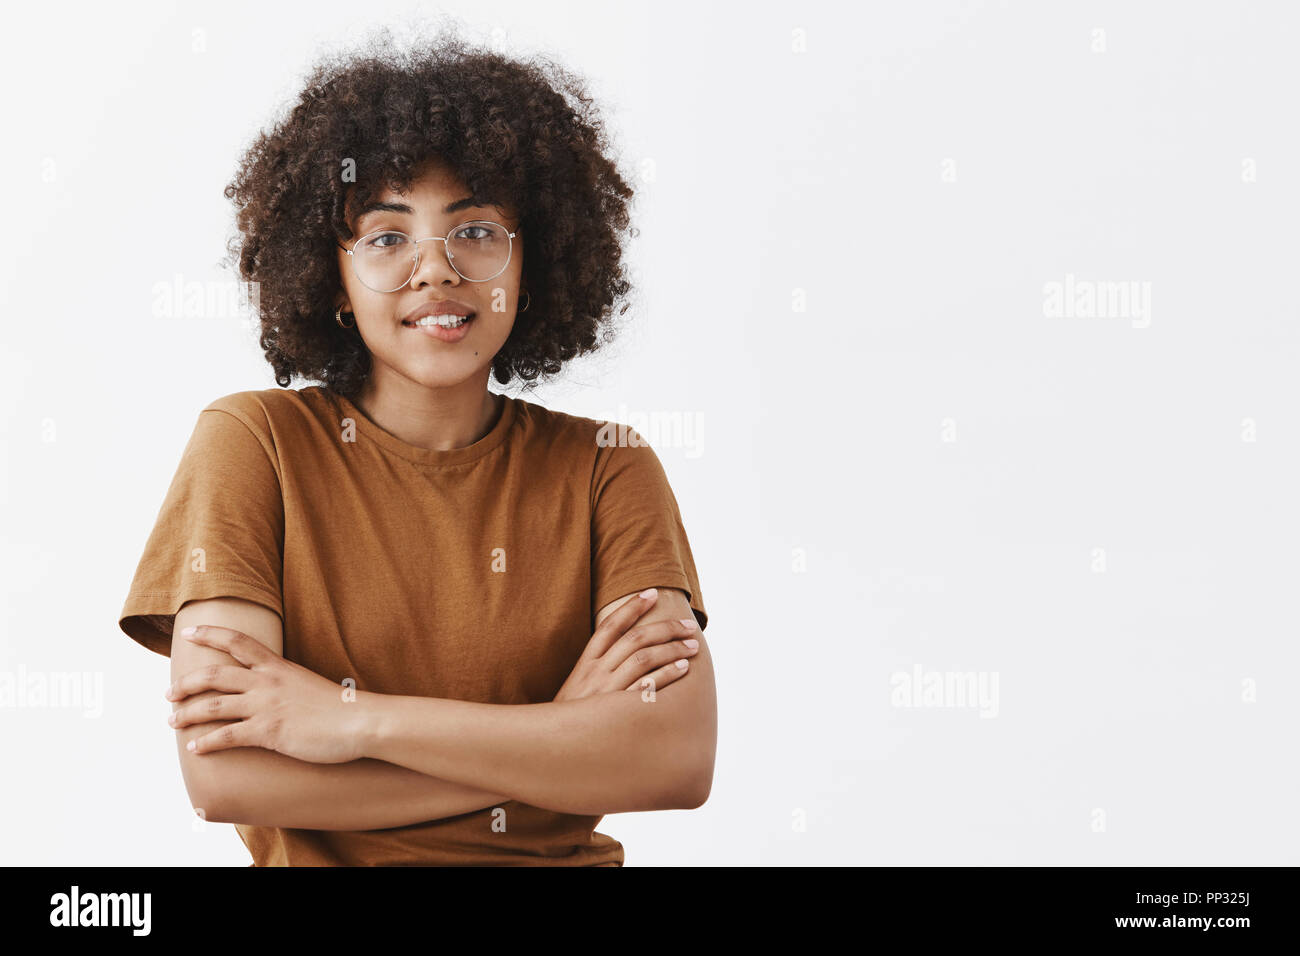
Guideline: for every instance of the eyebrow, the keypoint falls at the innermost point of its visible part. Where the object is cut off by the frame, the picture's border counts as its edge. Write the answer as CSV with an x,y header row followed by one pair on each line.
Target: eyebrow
x,y
401,207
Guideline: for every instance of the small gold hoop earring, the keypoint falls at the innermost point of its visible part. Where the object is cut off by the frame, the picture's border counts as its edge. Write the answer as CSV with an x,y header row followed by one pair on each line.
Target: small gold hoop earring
x,y
530,300
338,317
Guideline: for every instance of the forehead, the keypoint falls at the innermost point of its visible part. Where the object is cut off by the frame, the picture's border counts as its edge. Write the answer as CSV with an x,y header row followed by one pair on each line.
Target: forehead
x,y
436,190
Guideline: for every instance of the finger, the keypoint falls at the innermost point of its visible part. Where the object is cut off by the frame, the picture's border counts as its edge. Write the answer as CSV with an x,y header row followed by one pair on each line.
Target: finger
x,y
619,620
237,644
646,660
644,635
661,677
221,707
226,738
213,677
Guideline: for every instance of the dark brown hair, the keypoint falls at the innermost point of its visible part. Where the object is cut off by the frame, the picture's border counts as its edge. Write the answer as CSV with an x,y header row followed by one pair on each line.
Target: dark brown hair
x,y
521,133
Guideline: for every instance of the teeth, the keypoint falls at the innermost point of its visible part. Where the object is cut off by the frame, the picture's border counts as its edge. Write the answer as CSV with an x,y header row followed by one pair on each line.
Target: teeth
x,y
446,321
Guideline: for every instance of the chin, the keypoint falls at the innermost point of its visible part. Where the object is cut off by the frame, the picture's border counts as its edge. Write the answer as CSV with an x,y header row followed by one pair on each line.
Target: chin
x,y
444,374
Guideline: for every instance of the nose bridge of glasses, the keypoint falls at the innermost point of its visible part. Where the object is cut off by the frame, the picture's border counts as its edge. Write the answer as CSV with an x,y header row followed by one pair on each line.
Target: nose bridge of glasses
x,y
418,261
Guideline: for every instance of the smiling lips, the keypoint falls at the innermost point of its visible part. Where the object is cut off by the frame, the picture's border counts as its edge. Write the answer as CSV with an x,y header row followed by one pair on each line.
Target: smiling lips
x,y
446,320
434,327
436,308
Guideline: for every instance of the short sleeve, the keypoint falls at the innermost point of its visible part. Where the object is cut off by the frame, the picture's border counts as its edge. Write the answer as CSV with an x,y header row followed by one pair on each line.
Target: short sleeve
x,y
637,536
220,531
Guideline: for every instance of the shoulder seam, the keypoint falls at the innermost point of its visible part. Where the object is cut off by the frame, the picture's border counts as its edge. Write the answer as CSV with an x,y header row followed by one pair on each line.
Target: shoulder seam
x,y
264,440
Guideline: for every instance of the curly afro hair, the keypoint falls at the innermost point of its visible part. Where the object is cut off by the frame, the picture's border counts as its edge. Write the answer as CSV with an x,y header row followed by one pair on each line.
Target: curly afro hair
x,y
521,134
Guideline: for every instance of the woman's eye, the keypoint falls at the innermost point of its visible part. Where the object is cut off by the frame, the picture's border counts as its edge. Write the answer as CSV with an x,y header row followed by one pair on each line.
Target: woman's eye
x,y
386,240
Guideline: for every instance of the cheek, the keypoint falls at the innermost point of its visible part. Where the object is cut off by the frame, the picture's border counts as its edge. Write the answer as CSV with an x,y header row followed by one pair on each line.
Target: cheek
x,y
358,296
497,327
491,335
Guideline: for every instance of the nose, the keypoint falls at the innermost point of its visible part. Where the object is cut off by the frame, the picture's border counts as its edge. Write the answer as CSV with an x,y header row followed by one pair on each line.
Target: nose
x,y
433,266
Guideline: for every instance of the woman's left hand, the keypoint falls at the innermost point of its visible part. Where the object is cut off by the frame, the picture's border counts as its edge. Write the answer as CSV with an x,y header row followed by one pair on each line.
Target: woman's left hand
x,y
280,705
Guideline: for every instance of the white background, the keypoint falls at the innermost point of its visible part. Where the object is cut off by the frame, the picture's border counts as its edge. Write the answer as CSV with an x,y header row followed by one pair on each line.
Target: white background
x,y
901,460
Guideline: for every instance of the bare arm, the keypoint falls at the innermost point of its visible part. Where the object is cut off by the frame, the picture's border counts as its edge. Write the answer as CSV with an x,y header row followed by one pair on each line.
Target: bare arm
x,y
609,753
259,787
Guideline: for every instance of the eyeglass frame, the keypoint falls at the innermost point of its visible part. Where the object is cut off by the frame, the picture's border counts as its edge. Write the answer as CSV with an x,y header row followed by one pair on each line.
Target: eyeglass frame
x,y
415,267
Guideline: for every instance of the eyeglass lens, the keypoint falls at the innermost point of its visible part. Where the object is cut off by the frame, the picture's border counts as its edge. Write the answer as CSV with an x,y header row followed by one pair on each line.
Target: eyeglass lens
x,y
385,261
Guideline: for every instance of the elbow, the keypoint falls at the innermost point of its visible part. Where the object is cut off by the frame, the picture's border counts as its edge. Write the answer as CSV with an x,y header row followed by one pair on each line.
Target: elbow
x,y
699,795
209,803
693,789
208,796
688,764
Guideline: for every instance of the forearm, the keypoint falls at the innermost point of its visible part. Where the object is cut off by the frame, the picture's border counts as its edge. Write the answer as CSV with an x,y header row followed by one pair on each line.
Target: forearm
x,y
264,788
609,753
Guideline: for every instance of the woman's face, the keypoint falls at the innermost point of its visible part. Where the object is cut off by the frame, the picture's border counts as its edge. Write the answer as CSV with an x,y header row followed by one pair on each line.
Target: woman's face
x,y
437,202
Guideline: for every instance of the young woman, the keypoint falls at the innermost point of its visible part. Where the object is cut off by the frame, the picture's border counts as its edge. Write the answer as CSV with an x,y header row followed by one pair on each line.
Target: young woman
x,y
428,623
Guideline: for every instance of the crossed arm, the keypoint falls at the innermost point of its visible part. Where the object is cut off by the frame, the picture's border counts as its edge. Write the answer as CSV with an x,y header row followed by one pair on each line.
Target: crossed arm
x,y
431,758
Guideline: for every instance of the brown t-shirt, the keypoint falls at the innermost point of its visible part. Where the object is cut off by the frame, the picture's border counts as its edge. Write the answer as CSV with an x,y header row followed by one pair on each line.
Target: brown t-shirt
x,y
472,573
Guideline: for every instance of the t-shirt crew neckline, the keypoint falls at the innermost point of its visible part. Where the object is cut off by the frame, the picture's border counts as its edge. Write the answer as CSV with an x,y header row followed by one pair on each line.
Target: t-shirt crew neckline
x,y
433,457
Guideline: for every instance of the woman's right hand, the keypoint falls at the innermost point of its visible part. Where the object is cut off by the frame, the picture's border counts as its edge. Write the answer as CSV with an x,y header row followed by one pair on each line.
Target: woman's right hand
x,y
620,656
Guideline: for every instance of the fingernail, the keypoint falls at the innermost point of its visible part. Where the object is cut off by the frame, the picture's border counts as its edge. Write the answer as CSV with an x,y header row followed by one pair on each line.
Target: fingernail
x,y
688,621
186,632
171,718
168,694
692,643
681,665
648,593
190,745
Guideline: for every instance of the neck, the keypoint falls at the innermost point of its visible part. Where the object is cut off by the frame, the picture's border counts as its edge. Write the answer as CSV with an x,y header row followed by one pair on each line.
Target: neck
x,y
439,418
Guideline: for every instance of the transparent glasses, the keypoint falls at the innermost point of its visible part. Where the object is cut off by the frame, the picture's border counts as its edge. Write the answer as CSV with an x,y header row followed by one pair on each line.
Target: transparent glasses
x,y
478,250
